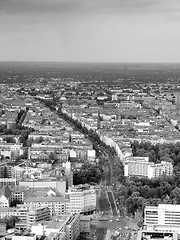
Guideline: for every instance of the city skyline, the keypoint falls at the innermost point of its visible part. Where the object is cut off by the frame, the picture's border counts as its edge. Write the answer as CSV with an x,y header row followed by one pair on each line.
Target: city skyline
x,y
90,31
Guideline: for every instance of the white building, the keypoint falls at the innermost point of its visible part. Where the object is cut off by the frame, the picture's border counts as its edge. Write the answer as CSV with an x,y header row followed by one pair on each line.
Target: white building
x,y
80,199
24,237
73,227
91,155
37,214
141,167
163,168
7,212
64,227
4,201
163,215
55,204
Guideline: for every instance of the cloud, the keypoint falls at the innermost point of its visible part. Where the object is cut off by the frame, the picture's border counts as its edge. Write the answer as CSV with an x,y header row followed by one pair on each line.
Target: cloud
x,y
76,6
38,6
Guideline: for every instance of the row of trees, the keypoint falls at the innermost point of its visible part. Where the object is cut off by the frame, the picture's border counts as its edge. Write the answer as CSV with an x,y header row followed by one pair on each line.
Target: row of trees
x,y
92,135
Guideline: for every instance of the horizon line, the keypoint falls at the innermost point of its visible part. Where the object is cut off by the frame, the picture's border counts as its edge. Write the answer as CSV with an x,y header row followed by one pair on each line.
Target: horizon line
x,y
85,62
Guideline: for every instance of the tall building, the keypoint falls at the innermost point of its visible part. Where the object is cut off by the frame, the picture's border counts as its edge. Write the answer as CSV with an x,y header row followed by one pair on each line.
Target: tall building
x,y
37,214
80,199
162,215
73,227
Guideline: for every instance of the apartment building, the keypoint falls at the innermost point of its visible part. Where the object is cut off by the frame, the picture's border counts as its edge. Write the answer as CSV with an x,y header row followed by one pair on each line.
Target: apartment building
x,y
55,204
11,150
141,167
17,193
8,182
80,199
6,171
22,211
7,212
163,168
37,214
73,227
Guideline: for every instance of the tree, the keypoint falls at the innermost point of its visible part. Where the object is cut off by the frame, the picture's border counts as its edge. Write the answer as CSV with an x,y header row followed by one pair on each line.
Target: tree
x,y
40,139
9,221
9,139
14,203
88,173
175,195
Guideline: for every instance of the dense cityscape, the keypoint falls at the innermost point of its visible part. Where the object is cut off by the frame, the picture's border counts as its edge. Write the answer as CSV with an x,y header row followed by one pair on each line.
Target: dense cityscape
x,y
89,151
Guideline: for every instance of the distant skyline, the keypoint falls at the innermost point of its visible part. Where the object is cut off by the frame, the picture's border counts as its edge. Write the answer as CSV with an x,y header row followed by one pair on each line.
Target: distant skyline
x,y
90,30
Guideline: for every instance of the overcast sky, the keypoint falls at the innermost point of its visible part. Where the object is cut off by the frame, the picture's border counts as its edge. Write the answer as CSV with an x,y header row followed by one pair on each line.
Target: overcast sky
x,y
90,30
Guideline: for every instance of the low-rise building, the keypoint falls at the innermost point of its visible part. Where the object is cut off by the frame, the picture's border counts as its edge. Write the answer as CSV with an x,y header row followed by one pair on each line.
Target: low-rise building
x,y
85,222
5,195
8,212
8,182
24,236
64,227
59,185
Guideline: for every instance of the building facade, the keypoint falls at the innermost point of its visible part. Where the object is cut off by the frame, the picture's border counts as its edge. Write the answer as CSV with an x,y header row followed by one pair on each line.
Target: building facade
x,y
37,214
163,214
56,205
80,199
141,167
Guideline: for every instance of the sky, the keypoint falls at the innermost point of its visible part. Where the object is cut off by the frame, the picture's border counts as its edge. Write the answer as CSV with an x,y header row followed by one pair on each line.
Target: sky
x,y
90,30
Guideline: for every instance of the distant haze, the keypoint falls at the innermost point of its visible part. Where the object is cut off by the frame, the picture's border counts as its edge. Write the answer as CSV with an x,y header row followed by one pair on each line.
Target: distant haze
x,y
90,30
